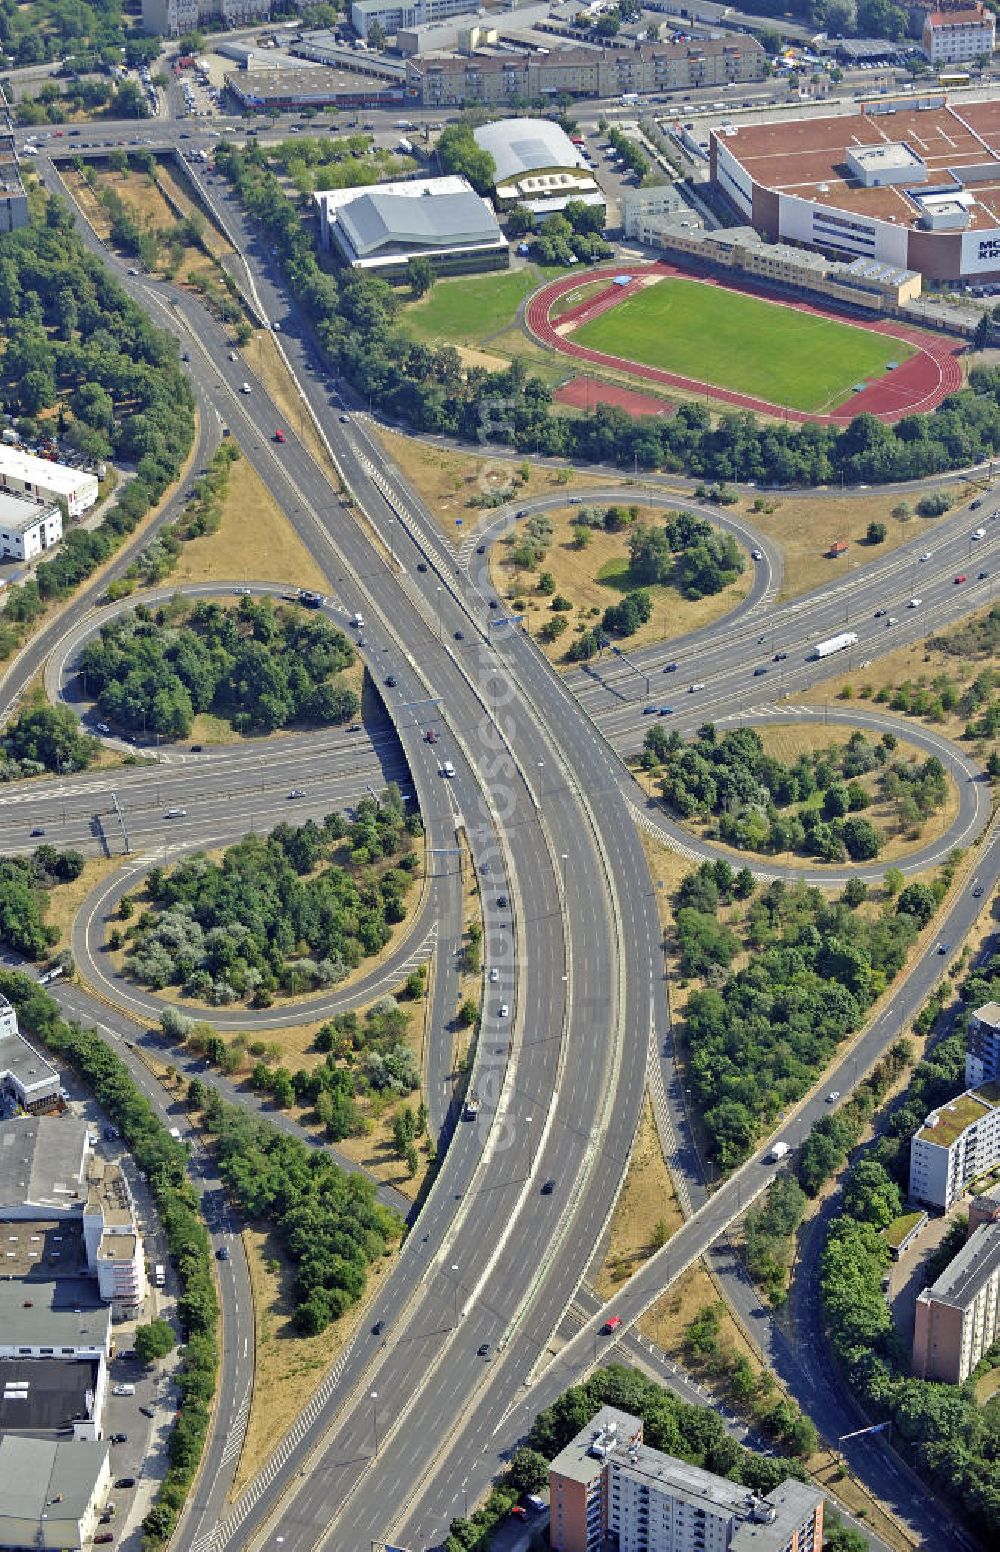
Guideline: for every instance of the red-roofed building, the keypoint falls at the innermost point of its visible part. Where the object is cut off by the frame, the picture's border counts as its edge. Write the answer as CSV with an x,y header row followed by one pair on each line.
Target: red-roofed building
x,y
959,37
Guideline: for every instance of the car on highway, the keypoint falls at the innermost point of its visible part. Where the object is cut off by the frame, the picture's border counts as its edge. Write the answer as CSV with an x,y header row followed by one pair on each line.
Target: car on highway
x,y
960,579
480,549
880,614
650,711
699,684
448,769
279,435
892,620
297,792
977,892
982,576
927,555
914,603
502,902
38,830
430,737
133,272
246,388
833,1096
759,671
459,635
666,711
943,948
548,1187
979,533
222,1254
378,1328
390,681
504,1011
483,1350
671,668
757,554
233,355
611,1324
421,565
175,813
102,727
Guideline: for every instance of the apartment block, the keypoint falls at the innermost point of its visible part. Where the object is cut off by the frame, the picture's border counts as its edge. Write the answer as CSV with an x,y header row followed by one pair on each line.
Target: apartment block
x,y
396,15
957,1142
958,1318
172,18
607,1487
982,1045
450,81
960,36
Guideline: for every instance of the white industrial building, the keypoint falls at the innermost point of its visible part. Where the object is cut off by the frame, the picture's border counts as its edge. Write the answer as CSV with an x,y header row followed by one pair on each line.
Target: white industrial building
x,y
51,1494
392,15
537,165
27,1080
25,474
27,528
33,1325
441,219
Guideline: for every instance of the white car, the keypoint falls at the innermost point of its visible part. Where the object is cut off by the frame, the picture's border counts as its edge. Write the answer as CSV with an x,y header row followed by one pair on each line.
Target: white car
x,y
914,603
175,813
447,769
504,1011
833,1096
102,727
979,533
246,388
297,792
234,355
927,555
757,554
494,974
699,684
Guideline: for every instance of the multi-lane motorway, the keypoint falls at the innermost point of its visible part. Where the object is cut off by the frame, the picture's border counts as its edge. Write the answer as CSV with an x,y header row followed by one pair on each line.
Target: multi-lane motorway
x,y
542,797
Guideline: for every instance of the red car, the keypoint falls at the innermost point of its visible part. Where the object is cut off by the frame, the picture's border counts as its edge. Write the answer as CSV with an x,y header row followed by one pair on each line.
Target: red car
x,y
522,1514
612,1324
279,435
961,578
430,737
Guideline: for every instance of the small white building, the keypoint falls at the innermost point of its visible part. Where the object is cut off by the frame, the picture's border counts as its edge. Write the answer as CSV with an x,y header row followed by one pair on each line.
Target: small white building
x,y
26,1078
959,37
25,474
51,1494
27,527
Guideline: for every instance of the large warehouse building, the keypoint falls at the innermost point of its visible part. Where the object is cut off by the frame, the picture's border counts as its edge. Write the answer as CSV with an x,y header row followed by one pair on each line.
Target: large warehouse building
x,y
911,182
441,219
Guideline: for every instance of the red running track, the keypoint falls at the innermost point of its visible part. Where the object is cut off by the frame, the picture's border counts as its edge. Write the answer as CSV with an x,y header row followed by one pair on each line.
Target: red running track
x,y
586,393
918,384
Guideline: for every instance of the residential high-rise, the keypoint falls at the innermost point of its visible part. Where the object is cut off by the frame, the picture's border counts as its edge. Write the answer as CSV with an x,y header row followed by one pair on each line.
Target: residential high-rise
x,y
607,1482
958,1141
982,1045
958,1318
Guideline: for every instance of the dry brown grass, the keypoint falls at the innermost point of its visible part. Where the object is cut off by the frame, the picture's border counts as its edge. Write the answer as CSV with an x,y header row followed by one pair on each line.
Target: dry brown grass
x,y
174,188
665,1323
577,577
805,528
446,480
66,899
288,1367
647,1201
254,542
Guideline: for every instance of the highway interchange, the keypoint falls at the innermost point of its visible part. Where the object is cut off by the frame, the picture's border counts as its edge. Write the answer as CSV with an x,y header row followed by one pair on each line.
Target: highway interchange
x,y
547,807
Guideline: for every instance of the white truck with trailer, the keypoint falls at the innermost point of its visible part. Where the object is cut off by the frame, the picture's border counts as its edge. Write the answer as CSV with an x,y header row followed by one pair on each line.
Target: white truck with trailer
x,y
835,644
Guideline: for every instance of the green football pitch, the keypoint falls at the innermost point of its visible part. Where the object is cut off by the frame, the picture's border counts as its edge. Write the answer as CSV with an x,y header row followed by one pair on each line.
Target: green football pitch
x,y
781,354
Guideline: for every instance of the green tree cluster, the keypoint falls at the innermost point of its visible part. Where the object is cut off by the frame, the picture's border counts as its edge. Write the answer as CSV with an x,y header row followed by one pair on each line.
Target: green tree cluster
x,y
44,738
277,912
687,553
257,665
24,885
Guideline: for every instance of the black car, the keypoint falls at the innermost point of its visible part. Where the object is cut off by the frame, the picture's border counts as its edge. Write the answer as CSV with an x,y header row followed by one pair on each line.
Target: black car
x,y
378,1328
119,1438
222,1254
759,673
125,1482
879,613
494,603
196,748
421,565
459,635
37,831
146,1411
502,902
982,576
390,681
480,549
779,657
483,1350
671,668
548,1187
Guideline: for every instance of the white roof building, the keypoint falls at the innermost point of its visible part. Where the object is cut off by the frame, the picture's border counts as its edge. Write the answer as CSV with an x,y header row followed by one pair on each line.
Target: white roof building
x,y
51,1494
27,527
442,219
537,165
28,475
26,1078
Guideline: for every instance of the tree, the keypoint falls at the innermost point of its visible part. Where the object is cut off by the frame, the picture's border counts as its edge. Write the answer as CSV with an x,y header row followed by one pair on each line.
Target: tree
x,y
902,512
982,334
153,1341
420,275
918,901
375,36
875,533
458,152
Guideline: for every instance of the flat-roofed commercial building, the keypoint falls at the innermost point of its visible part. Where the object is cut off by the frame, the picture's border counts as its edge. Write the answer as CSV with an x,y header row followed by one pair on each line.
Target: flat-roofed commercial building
x,y
958,1141
959,36
912,182
51,1494
42,1166
27,1080
958,1318
441,219
607,1484
34,1324
25,474
47,1395
27,528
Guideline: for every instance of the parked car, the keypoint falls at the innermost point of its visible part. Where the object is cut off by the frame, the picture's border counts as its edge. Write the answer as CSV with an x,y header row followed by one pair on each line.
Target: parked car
x,y
125,1482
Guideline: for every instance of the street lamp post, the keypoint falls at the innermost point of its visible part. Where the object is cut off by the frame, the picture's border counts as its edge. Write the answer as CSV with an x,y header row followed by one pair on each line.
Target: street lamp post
x,y
454,1273
374,1400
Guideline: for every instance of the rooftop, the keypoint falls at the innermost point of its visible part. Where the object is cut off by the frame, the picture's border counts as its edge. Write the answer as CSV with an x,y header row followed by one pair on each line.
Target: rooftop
x,y
964,1277
953,1118
58,477
35,1315
315,84
42,1162
893,154
520,146
34,1472
19,513
806,157
964,18
989,1014
578,1461
108,1193
40,1248
42,1394
25,1065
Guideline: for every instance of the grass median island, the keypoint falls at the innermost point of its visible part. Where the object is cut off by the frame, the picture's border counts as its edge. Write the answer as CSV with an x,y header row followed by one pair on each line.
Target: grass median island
x,y
819,801
258,665
588,577
293,911
779,353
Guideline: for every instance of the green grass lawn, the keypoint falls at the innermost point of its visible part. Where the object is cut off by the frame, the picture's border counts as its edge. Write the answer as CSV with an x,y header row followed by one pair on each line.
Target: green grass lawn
x,y
734,341
468,308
